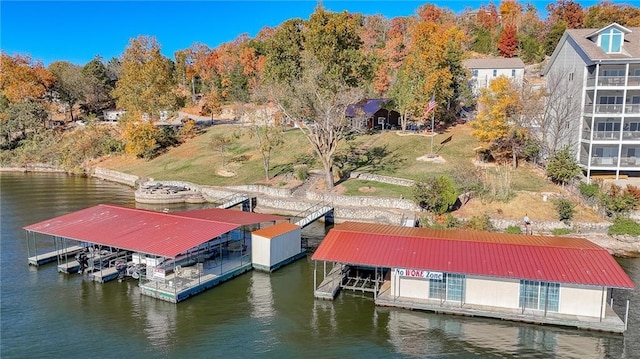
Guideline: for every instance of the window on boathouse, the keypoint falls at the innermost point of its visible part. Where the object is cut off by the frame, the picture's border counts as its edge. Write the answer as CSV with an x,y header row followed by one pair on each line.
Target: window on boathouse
x,y
539,295
450,288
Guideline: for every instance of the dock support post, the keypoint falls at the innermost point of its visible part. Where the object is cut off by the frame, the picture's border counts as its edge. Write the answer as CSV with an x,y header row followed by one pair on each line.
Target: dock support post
x,y
315,275
328,218
602,310
626,316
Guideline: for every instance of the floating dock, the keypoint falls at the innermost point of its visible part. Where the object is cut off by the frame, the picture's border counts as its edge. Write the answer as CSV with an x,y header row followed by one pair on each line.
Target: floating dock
x,y
331,284
52,256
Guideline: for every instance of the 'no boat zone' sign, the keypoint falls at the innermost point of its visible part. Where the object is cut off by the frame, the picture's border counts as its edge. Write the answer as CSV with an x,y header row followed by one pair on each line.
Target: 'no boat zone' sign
x,y
416,273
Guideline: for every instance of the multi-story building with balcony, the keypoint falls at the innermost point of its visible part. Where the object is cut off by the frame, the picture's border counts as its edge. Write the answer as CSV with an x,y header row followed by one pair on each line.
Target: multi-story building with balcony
x,y
604,66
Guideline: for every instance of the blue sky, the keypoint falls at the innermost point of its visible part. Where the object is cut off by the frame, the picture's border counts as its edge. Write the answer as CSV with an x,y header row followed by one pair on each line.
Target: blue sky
x,y
76,31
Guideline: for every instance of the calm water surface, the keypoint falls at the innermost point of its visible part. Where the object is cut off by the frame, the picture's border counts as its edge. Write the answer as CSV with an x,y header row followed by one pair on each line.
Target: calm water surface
x,y
44,314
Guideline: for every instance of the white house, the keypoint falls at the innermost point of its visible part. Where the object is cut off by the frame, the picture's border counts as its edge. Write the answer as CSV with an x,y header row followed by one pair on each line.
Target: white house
x,y
604,67
483,71
112,115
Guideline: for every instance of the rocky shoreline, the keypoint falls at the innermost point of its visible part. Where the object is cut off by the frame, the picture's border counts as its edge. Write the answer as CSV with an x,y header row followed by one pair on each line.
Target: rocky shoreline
x,y
286,202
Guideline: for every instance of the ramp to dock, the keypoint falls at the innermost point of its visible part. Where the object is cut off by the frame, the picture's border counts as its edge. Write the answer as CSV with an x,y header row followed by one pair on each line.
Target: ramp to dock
x,y
232,201
44,258
313,213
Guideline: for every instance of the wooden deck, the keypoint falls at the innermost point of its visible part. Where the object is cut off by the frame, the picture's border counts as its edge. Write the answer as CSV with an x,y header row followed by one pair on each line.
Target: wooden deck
x,y
610,323
331,284
44,258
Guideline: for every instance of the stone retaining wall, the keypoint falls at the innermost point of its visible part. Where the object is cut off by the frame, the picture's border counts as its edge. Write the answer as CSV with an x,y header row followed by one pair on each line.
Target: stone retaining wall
x,y
363,201
115,176
382,179
548,226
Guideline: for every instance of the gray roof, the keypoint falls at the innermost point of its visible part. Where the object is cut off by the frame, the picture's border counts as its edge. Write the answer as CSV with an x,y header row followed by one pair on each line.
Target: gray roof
x,y
494,63
586,40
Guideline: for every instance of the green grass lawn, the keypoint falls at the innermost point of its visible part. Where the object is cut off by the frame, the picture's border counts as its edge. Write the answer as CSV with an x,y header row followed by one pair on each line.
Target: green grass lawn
x,y
389,154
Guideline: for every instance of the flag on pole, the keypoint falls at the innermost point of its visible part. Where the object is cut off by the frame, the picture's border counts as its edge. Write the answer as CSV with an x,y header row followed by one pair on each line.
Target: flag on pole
x,y
446,140
430,106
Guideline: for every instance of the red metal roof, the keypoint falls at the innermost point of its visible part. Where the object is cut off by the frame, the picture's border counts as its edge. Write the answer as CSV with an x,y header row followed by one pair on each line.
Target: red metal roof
x,y
550,259
161,234
231,216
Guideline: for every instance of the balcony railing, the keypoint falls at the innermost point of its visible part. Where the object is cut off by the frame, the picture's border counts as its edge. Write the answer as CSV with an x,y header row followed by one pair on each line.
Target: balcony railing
x,y
611,135
612,109
613,81
612,161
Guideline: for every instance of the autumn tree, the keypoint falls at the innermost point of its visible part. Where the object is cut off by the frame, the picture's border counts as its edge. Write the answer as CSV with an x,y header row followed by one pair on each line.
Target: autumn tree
x,y
568,11
435,57
69,85
22,79
606,12
317,81
507,43
498,120
511,12
139,136
145,84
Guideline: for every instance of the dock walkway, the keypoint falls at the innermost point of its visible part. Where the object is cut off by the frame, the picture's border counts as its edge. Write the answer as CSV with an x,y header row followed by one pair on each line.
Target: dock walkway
x,y
609,323
44,258
331,284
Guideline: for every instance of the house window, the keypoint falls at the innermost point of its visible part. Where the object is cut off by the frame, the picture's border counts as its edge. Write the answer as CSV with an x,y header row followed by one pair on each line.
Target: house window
x,y
605,152
610,100
495,73
613,72
475,73
611,40
450,288
608,126
539,295
513,73
631,152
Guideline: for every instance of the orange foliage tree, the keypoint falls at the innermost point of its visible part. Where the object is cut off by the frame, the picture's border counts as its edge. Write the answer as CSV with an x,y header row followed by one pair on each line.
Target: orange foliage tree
x,y
508,43
23,79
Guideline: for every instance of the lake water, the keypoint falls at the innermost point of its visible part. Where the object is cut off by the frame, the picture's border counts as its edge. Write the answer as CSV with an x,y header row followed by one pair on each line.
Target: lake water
x,y
44,314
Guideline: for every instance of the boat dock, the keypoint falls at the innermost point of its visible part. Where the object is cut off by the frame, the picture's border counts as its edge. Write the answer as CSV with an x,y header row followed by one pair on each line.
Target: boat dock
x,y
44,258
185,282
331,283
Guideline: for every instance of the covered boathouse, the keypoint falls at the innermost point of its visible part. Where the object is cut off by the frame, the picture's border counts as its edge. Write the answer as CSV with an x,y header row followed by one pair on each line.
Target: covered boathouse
x,y
538,279
173,255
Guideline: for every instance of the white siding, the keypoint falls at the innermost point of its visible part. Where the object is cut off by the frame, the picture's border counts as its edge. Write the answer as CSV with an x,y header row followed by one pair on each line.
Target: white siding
x,y
409,287
261,250
493,292
267,252
285,246
581,301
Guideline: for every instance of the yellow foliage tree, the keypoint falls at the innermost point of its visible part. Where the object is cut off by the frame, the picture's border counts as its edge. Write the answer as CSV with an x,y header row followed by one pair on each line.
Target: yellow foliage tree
x,y
145,84
139,135
499,105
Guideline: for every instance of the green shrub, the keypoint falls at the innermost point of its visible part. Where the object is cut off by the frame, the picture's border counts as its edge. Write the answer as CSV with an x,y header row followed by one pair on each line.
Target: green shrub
x,y
513,230
451,222
560,231
437,195
589,190
617,201
479,223
302,172
565,209
624,226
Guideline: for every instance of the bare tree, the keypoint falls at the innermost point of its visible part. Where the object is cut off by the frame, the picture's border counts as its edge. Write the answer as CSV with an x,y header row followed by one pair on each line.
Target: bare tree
x,y
554,112
319,101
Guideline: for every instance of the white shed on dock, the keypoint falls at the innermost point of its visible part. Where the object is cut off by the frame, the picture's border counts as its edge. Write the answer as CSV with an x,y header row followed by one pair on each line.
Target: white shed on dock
x,y
275,246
